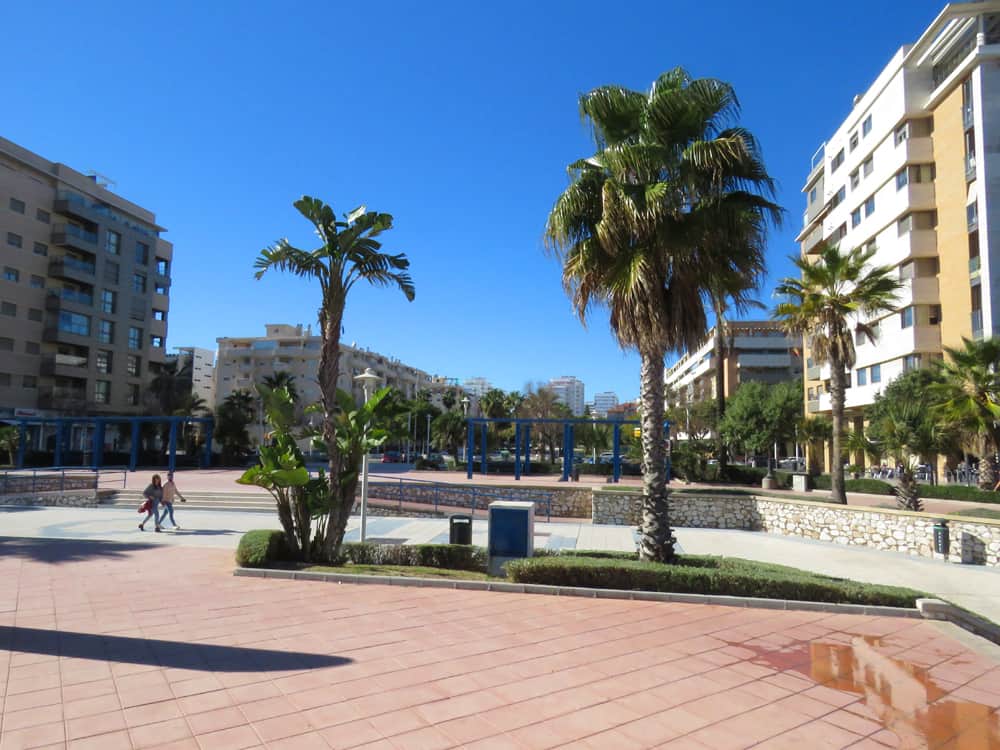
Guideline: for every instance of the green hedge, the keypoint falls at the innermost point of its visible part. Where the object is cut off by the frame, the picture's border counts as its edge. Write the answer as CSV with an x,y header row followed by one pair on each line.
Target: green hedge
x,y
718,576
959,492
257,548
453,556
868,486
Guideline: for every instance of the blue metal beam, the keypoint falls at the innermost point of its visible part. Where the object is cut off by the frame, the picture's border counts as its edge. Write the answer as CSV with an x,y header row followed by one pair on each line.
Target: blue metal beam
x,y
21,440
527,449
470,449
172,449
517,452
207,459
133,457
567,452
616,456
57,453
483,456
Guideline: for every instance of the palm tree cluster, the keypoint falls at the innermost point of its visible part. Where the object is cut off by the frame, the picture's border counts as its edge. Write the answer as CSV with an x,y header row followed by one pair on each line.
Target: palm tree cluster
x,y
670,213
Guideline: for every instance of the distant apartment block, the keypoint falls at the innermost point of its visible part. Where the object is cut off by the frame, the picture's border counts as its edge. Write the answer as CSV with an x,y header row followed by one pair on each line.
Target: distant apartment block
x,y
570,391
200,365
84,291
604,401
477,386
912,171
757,350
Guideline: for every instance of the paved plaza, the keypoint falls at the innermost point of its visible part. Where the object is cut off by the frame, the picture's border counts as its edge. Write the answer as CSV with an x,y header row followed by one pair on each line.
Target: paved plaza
x,y
110,645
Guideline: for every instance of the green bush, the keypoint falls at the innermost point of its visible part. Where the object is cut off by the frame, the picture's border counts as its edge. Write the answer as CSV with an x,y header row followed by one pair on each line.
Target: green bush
x,y
260,547
703,575
958,492
752,476
452,556
869,486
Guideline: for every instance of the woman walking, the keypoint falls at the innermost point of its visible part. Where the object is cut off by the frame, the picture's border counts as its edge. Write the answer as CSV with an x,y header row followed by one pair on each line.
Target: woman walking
x,y
153,494
170,491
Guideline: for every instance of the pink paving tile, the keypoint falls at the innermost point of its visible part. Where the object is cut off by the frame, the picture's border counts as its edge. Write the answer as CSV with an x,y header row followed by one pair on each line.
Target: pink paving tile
x,y
152,713
150,735
351,734
30,717
42,734
90,706
112,721
311,741
110,741
280,727
212,721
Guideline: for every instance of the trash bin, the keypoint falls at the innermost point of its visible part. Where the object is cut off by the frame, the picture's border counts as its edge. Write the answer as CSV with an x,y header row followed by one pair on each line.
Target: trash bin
x,y
576,473
460,529
941,540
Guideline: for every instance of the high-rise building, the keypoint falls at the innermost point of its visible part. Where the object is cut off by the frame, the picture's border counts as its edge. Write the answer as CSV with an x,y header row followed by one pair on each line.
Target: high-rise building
x,y
569,391
477,386
84,291
912,172
199,364
602,402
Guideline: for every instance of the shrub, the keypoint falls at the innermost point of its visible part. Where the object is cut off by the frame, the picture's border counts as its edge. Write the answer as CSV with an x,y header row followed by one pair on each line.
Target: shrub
x,y
752,476
260,547
452,556
959,492
718,576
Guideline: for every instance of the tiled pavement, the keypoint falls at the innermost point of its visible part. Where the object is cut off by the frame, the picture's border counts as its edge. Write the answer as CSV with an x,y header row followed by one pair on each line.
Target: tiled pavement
x,y
106,645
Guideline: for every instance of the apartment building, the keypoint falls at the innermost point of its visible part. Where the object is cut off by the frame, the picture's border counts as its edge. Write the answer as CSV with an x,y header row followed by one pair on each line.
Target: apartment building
x,y
912,171
757,350
84,291
477,387
569,390
199,365
602,402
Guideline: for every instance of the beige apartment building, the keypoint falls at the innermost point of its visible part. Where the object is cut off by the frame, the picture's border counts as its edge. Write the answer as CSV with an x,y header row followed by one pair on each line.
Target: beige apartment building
x,y
912,171
84,291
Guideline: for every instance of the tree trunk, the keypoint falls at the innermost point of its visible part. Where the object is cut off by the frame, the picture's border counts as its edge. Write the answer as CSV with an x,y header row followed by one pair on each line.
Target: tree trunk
x,y
656,539
721,454
837,391
329,371
906,490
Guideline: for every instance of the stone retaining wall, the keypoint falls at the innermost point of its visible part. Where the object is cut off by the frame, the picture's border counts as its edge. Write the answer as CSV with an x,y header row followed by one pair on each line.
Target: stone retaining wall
x,y
561,502
79,499
975,541
24,484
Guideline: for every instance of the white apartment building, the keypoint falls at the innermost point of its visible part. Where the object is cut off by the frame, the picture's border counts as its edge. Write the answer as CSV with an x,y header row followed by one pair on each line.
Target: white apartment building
x,y
569,390
913,171
602,402
477,386
202,366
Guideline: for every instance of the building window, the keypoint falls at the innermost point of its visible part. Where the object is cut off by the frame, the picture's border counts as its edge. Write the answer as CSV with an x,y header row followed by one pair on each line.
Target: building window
x,y
134,338
838,197
11,274
902,179
104,361
156,341
41,248
971,216
132,365
111,272
906,317
162,267
109,301
837,161
855,217
902,133
6,344
911,362
35,314
869,206
43,216
132,395
113,243
141,253
904,225
862,376
159,315
8,308
867,166
32,347
29,381
70,322
854,140
16,206
812,196
866,126
876,373
102,391
160,288
5,379
106,332
37,282
934,317
14,240
854,179
139,283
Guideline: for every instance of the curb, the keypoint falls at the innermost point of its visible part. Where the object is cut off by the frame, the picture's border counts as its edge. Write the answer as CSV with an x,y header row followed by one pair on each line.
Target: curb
x,y
936,609
534,588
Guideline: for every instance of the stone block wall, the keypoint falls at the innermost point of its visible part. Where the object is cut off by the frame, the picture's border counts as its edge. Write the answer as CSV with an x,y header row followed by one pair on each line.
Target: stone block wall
x,y
973,541
565,502
75,499
25,484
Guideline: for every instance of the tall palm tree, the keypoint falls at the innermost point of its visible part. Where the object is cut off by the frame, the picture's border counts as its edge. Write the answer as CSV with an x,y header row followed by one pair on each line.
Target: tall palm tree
x,y
635,230
540,403
448,430
283,379
349,252
969,396
837,295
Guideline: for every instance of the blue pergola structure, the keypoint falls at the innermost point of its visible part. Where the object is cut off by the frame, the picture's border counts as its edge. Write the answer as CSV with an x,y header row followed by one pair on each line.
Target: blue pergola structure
x,y
100,423
522,437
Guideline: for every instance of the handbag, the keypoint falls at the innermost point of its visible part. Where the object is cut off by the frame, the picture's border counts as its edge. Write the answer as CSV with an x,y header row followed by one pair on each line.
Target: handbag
x,y
144,508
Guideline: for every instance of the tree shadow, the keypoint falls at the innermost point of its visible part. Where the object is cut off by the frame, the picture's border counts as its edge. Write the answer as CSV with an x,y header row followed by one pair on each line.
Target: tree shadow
x,y
156,653
18,508
65,550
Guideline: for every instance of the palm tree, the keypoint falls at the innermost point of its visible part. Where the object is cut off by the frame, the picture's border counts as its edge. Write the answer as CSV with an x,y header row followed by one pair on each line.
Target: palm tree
x,y
813,432
8,441
448,430
541,402
493,404
283,379
969,396
834,293
635,230
349,252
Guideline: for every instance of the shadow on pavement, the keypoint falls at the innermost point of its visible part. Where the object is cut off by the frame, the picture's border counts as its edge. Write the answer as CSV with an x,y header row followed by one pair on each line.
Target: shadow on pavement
x,y
64,550
18,508
168,654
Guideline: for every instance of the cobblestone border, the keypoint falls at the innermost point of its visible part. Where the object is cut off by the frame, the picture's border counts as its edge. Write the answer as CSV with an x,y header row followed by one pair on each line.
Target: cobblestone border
x,y
534,588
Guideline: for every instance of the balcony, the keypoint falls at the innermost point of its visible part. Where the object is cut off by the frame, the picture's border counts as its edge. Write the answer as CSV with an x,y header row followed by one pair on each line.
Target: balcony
x,y
920,195
811,241
970,167
968,116
812,373
61,397
918,243
973,265
160,302
157,328
72,269
919,150
64,365
56,335
921,290
69,235
75,205
812,406
977,324
68,299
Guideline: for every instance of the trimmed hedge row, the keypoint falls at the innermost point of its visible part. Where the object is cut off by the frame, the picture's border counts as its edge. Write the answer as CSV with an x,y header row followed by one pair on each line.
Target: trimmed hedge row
x,y
717,576
453,556
959,492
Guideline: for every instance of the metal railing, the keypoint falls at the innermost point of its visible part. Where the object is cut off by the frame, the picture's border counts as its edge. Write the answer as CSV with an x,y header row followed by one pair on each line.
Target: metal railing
x,y
61,479
441,494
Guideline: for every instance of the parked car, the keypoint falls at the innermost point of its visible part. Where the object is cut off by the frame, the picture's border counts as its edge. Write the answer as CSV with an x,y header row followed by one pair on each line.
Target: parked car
x,y
792,464
391,457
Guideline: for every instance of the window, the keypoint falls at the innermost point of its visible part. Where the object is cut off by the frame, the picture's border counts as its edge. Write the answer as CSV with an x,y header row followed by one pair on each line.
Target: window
x,y
855,217
70,322
104,361
37,282
812,196
156,341
160,288
869,206
132,395
838,234
109,301
876,373
159,315
866,126
5,379
32,347
838,197
111,272
133,365
162,267
35,314
11,274
902,133
6,344
904,225
854,179
134,338
911,362
812,393
43,216
29,381
102,391
41,249
16,206
906,317
870,246
106,332
141,253
113,243
14,240
902,179
862,376
971,217
922,173
854,140
837,161
934,317
139,283
8,308
866,166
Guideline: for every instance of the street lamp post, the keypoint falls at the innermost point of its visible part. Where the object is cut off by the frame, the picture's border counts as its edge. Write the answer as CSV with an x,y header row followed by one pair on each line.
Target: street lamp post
x,y
428,442
367,379
465,413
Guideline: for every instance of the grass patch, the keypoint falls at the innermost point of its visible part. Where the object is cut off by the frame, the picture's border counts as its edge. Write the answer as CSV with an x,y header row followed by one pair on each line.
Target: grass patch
x,y
977,513
404,571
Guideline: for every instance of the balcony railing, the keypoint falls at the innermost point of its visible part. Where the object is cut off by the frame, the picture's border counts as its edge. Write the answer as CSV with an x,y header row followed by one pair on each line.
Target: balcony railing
x,y
74,231
72,295
968,116
812,373
973,264
66,263
970,167
813,406
977,324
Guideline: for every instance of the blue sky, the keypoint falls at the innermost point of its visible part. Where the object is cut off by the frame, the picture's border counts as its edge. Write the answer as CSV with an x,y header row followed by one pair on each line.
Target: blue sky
x,y
458,118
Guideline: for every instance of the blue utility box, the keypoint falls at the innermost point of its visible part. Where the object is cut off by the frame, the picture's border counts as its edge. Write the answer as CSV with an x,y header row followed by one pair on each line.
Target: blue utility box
x,y
511,533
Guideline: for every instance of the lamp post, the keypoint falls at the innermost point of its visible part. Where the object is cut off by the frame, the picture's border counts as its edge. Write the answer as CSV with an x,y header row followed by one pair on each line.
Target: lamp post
x,y
428,441
367,379
465,413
